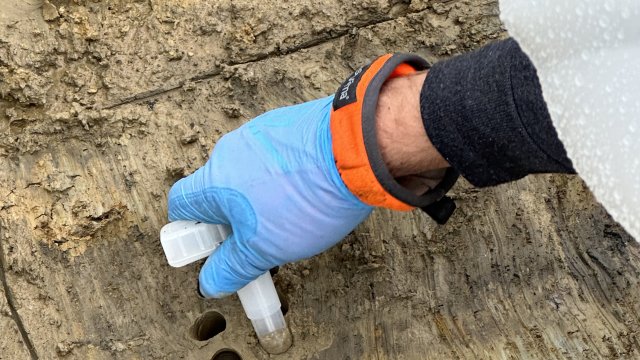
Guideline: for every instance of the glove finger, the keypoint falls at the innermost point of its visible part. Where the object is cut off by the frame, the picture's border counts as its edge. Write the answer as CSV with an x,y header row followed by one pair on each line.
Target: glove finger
x,y
192,198
232,266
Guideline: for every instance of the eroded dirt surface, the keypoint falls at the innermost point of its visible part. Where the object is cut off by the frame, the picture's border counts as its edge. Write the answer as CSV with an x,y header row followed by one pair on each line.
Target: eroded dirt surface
x,y
105,104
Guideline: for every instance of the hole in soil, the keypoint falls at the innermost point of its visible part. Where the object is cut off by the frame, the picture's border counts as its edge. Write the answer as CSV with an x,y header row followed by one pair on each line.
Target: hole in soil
x,y
284,304
226,354
207,326
274,271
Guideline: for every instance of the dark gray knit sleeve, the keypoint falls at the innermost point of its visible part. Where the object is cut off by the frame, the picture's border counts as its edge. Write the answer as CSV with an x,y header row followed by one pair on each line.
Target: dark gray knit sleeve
x,y
485,113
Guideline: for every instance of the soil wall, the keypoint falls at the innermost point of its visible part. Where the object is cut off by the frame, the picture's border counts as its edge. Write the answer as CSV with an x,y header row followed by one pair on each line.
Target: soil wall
x,y
104,104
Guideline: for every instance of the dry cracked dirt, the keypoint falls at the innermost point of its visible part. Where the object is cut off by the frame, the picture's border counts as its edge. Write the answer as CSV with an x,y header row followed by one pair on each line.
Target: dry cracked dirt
x,y
104,104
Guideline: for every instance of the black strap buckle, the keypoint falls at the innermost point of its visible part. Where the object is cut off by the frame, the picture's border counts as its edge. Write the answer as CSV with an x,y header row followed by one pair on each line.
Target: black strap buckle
x,y
441,210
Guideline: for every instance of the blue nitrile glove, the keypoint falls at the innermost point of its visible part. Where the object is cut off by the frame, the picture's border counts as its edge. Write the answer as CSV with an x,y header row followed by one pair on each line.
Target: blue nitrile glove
x,y
274,180
295,181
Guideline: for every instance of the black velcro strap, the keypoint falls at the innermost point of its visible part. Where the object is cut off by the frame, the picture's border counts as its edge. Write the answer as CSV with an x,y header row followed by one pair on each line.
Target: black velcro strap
x,y
441,210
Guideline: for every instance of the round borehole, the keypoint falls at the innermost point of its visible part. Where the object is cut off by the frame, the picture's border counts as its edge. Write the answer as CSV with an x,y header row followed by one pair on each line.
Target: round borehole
x,y
207,326
226,354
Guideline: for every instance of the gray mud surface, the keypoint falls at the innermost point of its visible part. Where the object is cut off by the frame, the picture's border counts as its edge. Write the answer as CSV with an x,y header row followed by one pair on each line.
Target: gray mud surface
x,y
104,104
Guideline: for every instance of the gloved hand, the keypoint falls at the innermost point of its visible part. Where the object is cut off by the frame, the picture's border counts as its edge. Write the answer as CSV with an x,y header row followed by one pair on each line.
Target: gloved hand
x,y
275,182
295,181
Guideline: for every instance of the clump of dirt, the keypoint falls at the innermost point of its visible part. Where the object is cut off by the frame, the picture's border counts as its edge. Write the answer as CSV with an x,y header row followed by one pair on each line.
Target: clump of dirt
x,y
103,105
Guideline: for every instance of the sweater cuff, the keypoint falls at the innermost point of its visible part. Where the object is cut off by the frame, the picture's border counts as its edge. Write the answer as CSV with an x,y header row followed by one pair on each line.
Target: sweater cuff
x,y
485,113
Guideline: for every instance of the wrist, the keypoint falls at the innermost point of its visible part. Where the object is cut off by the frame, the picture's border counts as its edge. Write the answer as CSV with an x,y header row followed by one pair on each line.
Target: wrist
x,y
356,146
403,142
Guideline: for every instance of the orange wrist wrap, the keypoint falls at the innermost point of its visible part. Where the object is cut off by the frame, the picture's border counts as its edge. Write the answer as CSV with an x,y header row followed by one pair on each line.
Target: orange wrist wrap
x,y
353,131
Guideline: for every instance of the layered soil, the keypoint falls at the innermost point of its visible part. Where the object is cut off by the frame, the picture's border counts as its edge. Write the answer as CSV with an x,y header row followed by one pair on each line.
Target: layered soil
x,y
104,104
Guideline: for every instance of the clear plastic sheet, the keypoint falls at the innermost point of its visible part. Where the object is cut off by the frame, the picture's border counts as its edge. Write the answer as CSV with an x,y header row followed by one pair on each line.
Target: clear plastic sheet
x,y
587,53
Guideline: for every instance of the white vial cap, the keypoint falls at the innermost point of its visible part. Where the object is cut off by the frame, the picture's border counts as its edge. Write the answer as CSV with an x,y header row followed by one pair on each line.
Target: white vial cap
x,y
184,242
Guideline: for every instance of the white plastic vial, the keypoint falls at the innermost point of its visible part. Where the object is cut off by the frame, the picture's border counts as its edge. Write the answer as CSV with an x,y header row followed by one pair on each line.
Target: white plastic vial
x,y
262,306
184,242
